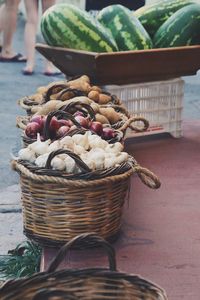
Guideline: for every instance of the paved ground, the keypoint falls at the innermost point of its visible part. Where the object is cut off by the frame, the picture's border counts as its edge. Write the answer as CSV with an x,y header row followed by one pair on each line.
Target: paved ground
x,y
14,85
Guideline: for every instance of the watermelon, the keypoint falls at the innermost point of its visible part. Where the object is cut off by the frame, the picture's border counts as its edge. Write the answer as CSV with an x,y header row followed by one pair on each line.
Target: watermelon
x,y
65,25
181,29
152,16
127,31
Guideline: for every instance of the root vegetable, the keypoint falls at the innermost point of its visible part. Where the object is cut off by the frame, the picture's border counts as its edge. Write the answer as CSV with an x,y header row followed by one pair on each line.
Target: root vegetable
x,y
96,127
95,107
48,107
108,133
32,129
104,99
94,95
82,84
101,119
62,131
110,114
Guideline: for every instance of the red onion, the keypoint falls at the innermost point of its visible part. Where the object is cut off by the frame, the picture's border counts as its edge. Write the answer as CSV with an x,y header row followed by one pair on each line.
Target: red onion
x,y
82,121
64,122
62,131
38,119
96,127
54,124
32,129
108,133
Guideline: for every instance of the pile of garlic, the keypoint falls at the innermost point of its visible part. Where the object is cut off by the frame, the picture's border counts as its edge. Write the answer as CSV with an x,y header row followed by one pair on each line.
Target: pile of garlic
x,y
92,149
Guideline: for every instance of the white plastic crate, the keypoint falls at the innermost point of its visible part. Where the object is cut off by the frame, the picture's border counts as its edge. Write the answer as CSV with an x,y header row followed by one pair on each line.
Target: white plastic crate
x,y
160,102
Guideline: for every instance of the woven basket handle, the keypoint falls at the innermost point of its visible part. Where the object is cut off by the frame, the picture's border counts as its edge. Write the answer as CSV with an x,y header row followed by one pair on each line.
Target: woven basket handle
x,y
77,159
49,294
58,87
22,104
58,113
61,88
72,107
147,177
87,238
21,122
135,128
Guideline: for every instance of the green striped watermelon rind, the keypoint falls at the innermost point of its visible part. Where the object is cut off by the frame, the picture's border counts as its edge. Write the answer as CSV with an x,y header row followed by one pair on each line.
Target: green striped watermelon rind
x,y
127,31
152,16
181,29
65,25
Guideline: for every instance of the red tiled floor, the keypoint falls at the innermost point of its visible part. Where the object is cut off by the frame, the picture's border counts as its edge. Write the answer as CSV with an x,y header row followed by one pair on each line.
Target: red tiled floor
x,y
160,238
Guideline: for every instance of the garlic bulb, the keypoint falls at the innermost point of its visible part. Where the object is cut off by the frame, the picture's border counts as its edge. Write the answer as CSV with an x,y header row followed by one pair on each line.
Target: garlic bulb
x,y
78,149
109,162
54,146
27,154
77,170
98,157
122,157
58,164
96,141
114,148
67,143
82,140
40,147
88,161
41,160
69,164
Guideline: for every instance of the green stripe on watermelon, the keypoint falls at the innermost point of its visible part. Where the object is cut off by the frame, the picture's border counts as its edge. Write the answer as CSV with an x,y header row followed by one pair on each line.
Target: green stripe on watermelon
x,y
67,26
181,29
49,33
152,16
127,31
88,34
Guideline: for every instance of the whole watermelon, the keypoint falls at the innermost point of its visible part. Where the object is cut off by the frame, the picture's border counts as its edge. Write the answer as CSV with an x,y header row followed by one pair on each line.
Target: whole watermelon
x,y
153,15
65,25
126,29
181,29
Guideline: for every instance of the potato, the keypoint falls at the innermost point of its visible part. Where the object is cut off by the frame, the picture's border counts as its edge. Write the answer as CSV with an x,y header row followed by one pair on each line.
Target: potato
x,y
102,119
82,84
110,114
95,107
104,99
94,95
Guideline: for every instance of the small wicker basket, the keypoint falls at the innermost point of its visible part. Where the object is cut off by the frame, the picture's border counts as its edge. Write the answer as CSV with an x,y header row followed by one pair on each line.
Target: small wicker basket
x,y
120,128
58,206
87,284
58,91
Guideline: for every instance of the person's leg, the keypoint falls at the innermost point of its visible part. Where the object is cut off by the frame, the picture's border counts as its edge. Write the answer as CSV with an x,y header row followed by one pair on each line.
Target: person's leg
x,y
2,11
49,67
30,33
9,26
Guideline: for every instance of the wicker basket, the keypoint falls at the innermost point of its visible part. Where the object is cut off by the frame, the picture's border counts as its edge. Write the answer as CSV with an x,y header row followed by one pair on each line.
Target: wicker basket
x,y
58,206
120,128
58,91
87,284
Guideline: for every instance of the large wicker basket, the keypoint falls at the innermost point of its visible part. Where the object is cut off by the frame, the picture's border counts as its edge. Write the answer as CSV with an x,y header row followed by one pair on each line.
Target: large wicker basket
x,y
87,284
58,206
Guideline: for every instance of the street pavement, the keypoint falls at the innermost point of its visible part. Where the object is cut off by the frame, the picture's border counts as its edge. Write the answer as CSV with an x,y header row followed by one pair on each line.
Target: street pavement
x,y
13,86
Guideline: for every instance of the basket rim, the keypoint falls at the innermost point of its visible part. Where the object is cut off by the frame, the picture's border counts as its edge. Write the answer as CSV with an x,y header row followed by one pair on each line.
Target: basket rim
x,y
24,171
85,272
